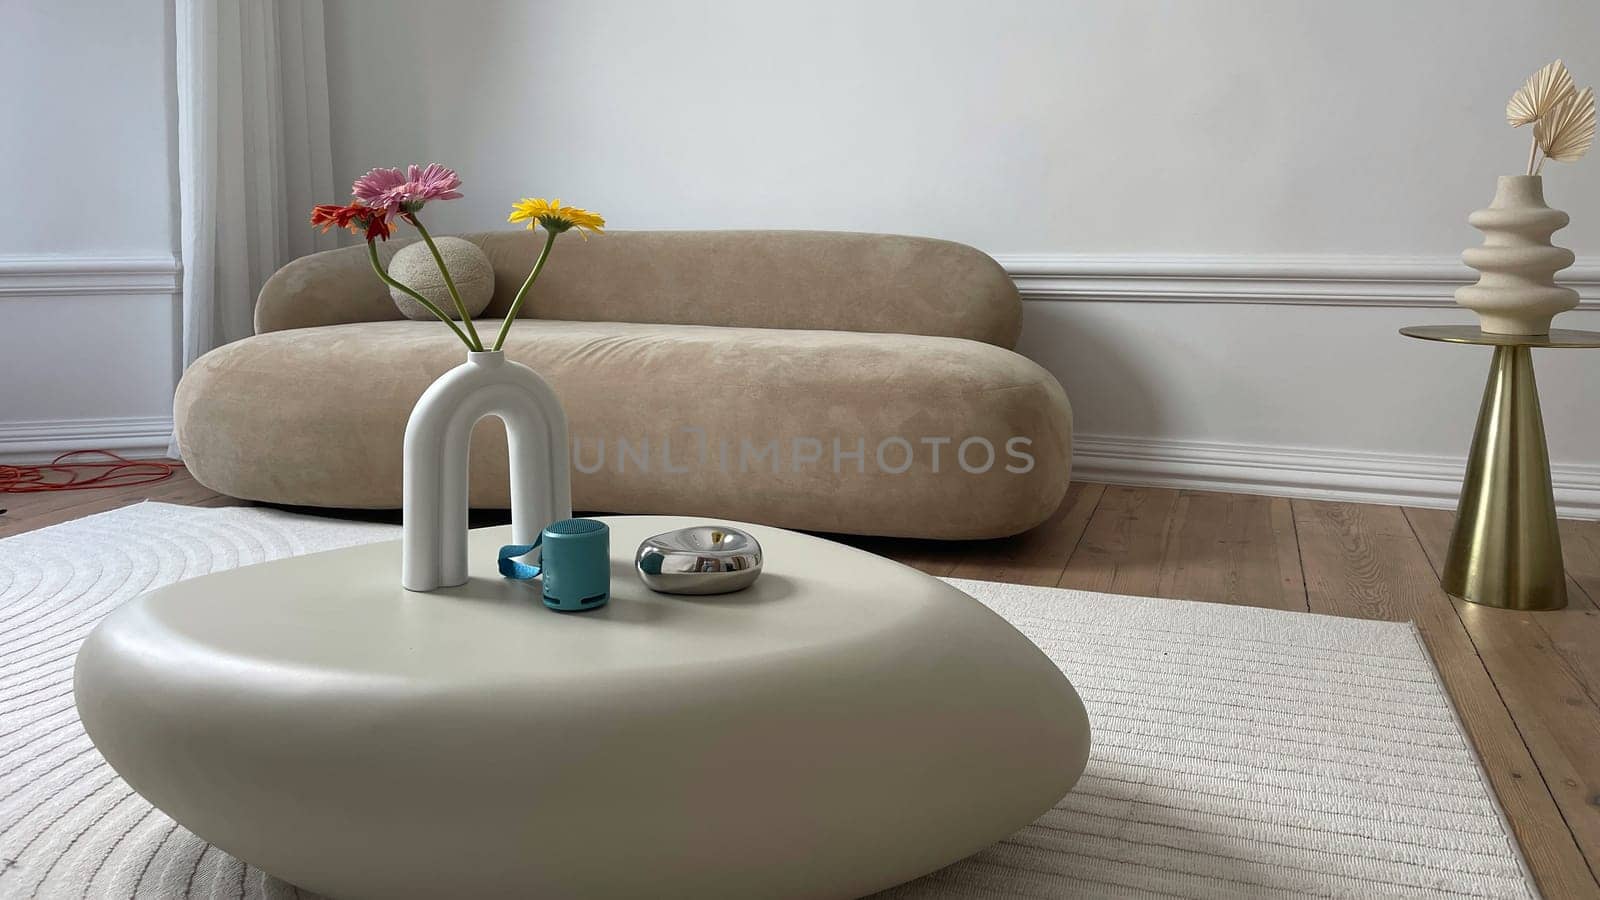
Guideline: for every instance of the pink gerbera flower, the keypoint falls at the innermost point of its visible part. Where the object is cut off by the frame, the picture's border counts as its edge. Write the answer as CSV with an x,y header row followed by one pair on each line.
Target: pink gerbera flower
x,y
373,189
405,193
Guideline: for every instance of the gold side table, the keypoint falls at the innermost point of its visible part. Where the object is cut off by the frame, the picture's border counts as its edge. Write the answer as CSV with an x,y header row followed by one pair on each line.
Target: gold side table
x,y
1505,550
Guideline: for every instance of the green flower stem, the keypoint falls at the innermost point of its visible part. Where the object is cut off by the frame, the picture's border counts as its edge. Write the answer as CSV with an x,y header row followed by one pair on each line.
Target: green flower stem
x,y
449,283
522,292
372,254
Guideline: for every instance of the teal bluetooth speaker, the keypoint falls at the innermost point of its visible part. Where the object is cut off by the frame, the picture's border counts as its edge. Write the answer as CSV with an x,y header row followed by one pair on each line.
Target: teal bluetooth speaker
x,y
574,564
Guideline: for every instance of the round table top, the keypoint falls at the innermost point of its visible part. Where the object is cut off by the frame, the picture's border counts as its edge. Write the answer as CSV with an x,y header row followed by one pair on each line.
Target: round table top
x,y
1558,338
342,615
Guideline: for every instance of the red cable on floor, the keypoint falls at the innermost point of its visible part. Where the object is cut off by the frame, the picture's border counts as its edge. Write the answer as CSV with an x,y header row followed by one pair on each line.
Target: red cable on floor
x,y
118,472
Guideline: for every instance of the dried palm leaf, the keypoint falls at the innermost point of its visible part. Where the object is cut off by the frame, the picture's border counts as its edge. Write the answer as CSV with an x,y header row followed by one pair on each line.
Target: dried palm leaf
x,y
1544,91
1568,131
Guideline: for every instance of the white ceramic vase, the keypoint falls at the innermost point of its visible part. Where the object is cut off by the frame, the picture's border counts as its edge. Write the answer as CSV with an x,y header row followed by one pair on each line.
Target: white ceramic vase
x,y
434,539
1516,291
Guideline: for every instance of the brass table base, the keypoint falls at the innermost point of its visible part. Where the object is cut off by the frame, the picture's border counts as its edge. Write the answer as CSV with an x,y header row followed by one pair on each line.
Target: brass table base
x,y
1505,549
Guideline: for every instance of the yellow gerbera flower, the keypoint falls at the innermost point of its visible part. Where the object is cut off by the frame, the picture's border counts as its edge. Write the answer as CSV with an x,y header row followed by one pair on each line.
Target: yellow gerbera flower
x,y
554,217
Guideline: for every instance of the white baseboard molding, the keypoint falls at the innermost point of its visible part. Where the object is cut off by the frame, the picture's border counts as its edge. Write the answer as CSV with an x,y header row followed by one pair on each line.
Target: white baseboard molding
x,y
1329,280
1317,474
41,441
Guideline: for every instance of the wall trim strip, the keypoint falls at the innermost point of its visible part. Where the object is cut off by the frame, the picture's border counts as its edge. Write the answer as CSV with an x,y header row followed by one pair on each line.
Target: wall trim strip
x,y
1312,473
34,276
42,440
1388,281
1329,280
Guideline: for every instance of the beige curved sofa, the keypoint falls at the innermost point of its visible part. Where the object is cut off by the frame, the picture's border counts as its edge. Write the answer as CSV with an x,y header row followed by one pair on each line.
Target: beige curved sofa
x,y
703,373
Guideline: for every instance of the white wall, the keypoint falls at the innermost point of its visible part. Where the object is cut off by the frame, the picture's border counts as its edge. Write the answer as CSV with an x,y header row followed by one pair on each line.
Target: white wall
x,y
88,282
1265,157
1219,211
1104,127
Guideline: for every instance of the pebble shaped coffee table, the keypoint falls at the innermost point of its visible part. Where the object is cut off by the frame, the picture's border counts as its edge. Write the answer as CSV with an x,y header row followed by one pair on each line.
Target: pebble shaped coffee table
x,y
844,725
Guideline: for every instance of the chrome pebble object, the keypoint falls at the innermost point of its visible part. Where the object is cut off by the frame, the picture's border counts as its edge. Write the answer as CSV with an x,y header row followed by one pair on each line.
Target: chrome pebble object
x,y
700,559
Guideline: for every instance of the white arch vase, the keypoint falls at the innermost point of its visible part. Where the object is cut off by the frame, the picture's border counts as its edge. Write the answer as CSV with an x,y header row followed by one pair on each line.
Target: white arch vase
x,y
434,514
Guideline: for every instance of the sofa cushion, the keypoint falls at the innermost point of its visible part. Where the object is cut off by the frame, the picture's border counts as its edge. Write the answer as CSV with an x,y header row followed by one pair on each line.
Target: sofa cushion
x,y
936,437
746,279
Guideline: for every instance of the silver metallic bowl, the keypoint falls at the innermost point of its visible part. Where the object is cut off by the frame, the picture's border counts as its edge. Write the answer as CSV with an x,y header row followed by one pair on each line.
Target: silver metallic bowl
x,y
701,559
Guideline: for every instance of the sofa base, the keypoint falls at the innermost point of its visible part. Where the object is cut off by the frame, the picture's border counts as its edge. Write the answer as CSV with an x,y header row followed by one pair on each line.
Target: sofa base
x,y
880,434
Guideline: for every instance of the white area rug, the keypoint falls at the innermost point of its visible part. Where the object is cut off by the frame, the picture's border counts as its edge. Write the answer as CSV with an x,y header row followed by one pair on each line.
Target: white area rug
x,y
1236,752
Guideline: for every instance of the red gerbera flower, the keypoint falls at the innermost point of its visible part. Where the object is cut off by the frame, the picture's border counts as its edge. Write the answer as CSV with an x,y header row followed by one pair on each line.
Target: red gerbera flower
x,y
329,215
364,220
377,225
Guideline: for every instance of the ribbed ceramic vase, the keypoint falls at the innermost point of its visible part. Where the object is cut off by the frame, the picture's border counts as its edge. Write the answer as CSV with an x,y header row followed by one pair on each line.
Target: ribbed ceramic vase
x,y
1516,291
434,525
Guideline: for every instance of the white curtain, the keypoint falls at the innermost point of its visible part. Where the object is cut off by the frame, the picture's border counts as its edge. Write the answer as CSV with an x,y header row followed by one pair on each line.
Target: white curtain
x,y
254,155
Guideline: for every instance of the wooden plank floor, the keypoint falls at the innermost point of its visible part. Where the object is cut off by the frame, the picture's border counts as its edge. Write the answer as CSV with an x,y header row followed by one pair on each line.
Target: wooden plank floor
x,y
1527,684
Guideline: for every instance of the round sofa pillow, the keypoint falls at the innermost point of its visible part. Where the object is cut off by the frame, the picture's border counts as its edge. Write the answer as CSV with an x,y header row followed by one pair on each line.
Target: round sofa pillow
x,y
413,266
